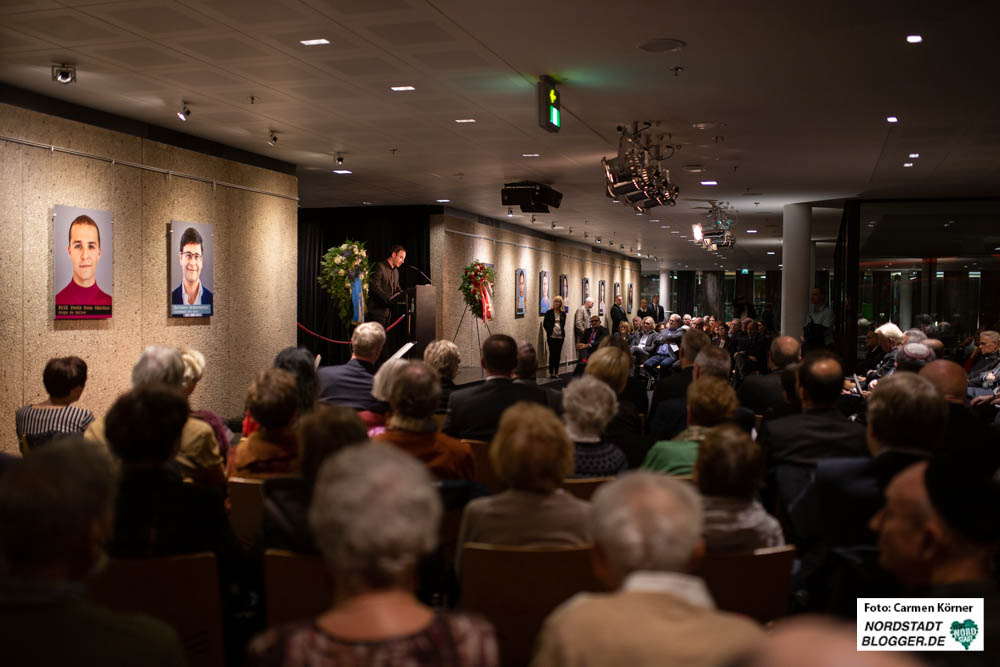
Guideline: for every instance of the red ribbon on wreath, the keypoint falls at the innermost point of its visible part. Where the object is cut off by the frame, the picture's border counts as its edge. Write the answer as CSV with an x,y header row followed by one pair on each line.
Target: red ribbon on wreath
x,y
484,291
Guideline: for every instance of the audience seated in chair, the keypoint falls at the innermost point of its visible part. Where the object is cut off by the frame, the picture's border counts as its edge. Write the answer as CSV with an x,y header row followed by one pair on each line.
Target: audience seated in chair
x,y
589,405
728,471
611,365
56,514
710,401
474,412
194,371
381,390
760,393
527,370
815,641
350,385
64,379
444,357
271,450
375,512
675,386
647,533
532,453
198,457
413,398
321,434
301,363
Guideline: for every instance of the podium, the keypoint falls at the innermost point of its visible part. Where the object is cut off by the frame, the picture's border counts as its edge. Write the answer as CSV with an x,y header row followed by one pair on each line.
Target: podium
x,y
421,310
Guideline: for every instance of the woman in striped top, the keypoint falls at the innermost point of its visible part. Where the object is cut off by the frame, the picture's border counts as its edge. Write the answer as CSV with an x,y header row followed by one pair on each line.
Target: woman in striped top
x,y
64,379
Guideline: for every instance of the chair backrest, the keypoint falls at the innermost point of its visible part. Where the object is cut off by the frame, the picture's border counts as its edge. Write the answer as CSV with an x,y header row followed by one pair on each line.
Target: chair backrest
x,y
182,591
517,587
584,487
755,583
484,473
297,586
246,499
439,420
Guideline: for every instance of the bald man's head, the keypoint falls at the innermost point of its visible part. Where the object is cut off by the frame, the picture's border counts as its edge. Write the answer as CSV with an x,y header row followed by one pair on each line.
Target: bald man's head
x,y
785,350
820,378
949,378
936,345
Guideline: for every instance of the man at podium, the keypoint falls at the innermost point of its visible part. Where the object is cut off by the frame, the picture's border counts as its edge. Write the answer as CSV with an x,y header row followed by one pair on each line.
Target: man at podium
x,y
384,289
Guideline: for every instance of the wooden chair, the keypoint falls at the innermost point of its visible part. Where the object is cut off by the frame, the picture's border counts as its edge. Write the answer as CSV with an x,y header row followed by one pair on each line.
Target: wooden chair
x,y
584,487
439,420
484,473
182,591
517,587
756,583
246,499
296,586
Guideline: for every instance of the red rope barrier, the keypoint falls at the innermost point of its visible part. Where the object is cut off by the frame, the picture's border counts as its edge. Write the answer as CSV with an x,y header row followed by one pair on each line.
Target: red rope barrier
x,y
344,342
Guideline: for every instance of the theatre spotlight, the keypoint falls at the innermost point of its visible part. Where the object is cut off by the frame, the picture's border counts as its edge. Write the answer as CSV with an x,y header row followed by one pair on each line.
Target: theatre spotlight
x,y
510,213
636,175
340,159
64,74
184,113
697,231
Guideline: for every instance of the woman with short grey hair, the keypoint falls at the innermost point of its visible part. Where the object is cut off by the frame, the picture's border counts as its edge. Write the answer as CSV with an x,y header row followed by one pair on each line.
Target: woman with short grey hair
x,y
381,391
588,406
374,514
444,357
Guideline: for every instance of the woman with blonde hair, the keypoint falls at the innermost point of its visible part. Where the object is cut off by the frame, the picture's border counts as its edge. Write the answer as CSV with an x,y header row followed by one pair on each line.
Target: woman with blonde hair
x,y
555,333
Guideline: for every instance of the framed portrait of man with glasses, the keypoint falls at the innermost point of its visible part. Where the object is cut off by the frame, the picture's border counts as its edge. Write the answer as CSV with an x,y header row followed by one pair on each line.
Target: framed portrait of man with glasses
x,y
191,245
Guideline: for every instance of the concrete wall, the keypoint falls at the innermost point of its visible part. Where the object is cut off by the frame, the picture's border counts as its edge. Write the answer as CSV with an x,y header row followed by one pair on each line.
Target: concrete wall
x,y
254,275
456,242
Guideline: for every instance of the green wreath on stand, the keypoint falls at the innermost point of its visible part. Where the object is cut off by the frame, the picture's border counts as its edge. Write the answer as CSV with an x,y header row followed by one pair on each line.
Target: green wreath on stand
x,y
477,288
339,268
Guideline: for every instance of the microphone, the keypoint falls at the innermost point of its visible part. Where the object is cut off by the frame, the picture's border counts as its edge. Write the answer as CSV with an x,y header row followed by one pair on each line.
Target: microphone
x,y
410,266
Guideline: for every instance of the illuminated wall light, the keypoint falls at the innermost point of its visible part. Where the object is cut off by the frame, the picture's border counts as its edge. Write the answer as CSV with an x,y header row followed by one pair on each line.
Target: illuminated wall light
x,y
751,231
907,164
529,154
443,201
342,171
314,42
465,120
770,252
913,156
709,182
401,89
914,39
697,231
891,119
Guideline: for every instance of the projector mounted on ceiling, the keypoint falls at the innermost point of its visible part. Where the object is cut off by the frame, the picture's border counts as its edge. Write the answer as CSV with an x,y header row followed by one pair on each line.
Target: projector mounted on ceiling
x,y
530,196
637,175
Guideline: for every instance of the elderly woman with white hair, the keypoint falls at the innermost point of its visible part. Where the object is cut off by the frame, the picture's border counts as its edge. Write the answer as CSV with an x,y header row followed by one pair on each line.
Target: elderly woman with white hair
x,y
194,371
889,339
444,357
588,406
381,391
374,514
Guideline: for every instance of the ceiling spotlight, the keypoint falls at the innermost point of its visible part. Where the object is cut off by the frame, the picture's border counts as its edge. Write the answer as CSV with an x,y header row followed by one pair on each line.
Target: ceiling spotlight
x,y
465,120
751,231
340,159
401,89
342,171
272,138
637,174
709,182
696,230
770,252
510,213
914,39
532,219
598,240
586,235
529,154
314,42
443,201
570,230
907,164
64,74
914,156
185,112
891,119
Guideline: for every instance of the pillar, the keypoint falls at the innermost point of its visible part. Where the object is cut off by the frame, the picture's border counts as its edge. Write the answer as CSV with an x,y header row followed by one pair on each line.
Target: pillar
x,y
905,301
714,300
665,290
795,259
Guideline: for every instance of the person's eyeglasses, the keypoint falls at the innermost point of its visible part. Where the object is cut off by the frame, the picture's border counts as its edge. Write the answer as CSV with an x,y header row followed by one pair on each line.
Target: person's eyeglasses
x,y
188,256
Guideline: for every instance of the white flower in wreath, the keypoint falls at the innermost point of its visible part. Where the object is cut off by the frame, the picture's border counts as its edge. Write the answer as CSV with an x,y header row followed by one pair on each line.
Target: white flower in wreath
x,y
354,248
338,259
347,284
364,285
340,272
363,253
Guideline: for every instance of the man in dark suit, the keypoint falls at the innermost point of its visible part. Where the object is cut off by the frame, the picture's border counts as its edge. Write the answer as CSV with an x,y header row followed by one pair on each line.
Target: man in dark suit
x,y
761,393
385,286
618,315
526,373
656,310
474,412
350,385
588,343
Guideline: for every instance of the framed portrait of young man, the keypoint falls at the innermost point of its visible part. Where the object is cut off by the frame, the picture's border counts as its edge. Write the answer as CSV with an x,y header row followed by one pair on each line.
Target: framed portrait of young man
x,y
520,293
82,269
601,298
564,290
585,291
543,292
629,299
191,262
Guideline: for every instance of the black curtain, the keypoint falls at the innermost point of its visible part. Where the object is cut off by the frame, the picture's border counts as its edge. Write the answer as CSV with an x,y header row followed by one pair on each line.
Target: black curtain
x,y
379,227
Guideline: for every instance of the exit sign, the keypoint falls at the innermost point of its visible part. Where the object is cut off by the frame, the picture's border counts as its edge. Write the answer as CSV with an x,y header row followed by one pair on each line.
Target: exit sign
x,y
549,108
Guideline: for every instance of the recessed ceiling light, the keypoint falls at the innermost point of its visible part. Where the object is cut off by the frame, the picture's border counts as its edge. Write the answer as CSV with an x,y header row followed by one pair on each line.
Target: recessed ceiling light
x,y
914,39
891,119
342,171
654,219
664,226
907,164
694,168
400,89
662,45
366,203
185,112
674,232
709,182
465,120
770,252
443,201
314,42
703,126
914,156
529,154
683,236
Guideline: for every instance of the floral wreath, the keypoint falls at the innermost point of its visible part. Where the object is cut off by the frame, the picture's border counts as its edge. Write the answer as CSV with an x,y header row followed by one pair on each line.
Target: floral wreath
x,y
343,274
477,288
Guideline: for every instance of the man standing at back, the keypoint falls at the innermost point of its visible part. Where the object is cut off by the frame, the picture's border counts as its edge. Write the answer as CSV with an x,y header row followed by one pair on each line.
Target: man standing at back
x,y
656,310
385,286
581,318
350,385
647,534
618,314
474,412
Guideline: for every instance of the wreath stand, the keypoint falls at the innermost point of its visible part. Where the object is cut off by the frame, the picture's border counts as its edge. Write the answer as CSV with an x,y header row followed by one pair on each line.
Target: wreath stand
x,y
476,320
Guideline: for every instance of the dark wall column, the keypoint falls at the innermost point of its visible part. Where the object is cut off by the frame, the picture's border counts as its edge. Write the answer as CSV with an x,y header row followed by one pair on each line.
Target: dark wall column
x,y
712,283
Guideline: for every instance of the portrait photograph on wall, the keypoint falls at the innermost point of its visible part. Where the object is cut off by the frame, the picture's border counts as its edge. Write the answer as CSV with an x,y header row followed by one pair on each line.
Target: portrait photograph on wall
x,y
543,292
520,293
618,291
564,290
81,274
601,297
191,260
585,291
629,300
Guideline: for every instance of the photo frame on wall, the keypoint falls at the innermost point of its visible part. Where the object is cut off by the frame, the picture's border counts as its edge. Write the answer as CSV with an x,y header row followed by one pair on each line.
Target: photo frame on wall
x,y
585,291
543,292
564,290
629,300
81,270
520,293
602,300
191,262
618,291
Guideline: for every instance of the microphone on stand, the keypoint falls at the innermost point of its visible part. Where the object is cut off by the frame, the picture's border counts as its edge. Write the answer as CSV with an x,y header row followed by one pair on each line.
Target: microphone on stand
x,y
410,266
